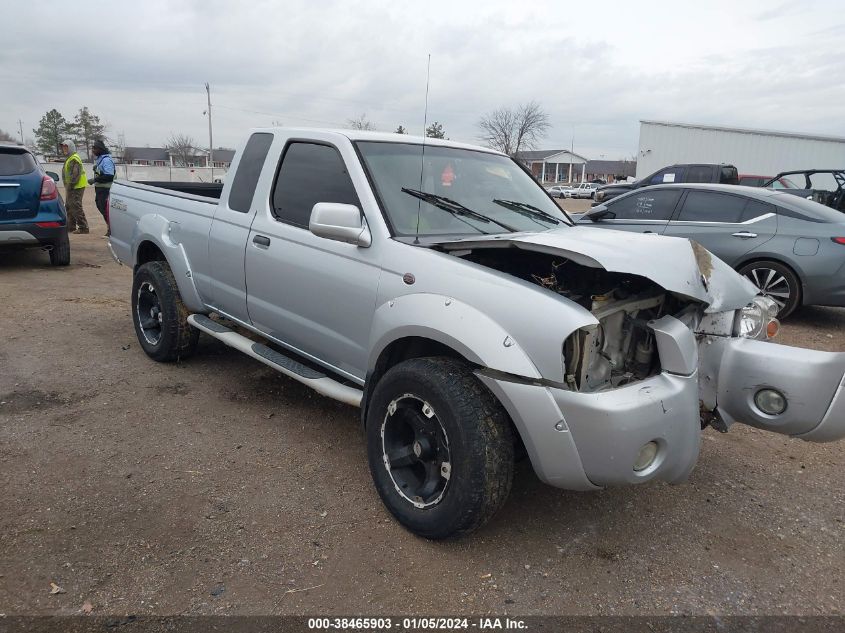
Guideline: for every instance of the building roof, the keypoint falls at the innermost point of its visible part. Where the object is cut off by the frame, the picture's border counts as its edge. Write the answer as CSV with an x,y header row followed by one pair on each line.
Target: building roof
x,y
739,130
222,155
544,155
146,153
615,167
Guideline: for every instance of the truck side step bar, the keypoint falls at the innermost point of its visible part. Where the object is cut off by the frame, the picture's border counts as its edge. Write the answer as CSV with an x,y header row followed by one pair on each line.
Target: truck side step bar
x,y
308,376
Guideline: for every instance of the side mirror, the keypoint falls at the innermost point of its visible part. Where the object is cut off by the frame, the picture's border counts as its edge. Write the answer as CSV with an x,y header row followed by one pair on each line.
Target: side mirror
x,y
340,222
53,175
600,213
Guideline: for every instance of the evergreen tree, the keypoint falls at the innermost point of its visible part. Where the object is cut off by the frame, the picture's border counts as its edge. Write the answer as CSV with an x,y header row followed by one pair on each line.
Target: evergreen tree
x,y
86,128
435,130
48,135
401,130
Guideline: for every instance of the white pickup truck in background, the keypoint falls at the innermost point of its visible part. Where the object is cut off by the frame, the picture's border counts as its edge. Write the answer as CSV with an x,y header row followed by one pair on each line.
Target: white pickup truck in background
x,y
439,287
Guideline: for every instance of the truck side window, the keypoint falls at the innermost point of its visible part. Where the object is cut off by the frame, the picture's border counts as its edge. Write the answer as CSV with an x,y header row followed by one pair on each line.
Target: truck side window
x,y
670,174
310,173
699,173
249,169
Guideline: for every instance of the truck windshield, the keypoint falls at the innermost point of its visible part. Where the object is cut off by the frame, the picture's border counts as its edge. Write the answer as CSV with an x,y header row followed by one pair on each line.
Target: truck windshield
x,y
459,192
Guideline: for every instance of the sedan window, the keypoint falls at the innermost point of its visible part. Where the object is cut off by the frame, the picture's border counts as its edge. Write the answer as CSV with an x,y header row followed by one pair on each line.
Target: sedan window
x,y
707,206
645,205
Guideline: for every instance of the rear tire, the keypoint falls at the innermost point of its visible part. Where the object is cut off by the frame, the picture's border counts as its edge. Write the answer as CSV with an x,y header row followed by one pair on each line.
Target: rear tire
x,y
776,281
60,253
159,315
440,447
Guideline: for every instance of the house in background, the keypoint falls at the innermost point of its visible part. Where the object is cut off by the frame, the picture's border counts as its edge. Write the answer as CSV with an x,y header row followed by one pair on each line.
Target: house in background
x,y
554,165
163,157
610,170
147,156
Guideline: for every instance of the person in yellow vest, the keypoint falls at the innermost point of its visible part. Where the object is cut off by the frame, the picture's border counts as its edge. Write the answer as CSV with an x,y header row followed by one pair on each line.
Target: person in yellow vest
x,y
75,181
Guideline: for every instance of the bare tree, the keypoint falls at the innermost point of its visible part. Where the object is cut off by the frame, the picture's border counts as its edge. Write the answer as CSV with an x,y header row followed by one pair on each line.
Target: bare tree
x,y
182,147
360,123
6,137
513,130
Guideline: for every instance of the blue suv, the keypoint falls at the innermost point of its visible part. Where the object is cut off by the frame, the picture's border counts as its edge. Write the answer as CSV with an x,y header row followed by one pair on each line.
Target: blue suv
x,y
32,214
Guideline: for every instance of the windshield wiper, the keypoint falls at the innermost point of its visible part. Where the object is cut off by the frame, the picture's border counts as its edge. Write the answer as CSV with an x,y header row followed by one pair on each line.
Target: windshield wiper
x,y
455,208
526,209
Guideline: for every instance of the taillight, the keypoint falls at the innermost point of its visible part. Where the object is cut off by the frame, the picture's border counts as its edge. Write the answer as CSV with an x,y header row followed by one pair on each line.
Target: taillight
x,y
838,240
48,189
49,225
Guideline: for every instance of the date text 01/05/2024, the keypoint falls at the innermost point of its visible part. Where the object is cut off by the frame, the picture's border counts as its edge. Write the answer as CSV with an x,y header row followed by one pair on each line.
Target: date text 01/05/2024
x,y
412,623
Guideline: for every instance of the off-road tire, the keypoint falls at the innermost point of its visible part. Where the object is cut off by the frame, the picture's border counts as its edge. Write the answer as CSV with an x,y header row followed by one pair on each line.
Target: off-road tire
x,y
480,442
790,278
60,253
177,339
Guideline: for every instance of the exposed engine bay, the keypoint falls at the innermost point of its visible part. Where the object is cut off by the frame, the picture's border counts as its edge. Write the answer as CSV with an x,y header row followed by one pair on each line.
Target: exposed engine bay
x,y
621,348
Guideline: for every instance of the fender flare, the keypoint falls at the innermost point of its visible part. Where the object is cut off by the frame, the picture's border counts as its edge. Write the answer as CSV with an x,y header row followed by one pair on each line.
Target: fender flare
x,y
467,330
165,235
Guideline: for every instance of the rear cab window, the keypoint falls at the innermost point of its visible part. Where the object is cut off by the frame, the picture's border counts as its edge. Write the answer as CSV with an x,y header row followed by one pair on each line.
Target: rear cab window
x,y
15,162
249,170
310,173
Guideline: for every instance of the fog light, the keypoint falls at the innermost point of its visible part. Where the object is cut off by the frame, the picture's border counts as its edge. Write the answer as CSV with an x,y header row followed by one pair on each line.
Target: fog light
x,y
770,401
646,457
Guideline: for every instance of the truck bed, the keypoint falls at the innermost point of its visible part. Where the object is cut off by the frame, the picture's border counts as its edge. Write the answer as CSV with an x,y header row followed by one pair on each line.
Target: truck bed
x,y
203,189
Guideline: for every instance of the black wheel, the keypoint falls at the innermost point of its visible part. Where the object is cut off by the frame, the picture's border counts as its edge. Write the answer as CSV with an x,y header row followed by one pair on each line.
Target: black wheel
x,y
159,315
60,253
777,282
440,447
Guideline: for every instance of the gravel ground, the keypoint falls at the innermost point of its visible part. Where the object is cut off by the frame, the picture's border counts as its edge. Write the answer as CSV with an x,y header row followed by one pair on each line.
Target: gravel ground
x,y
218,486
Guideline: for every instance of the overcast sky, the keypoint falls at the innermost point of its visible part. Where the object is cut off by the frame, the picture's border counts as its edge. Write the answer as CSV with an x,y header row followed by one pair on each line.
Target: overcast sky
x,y
596,68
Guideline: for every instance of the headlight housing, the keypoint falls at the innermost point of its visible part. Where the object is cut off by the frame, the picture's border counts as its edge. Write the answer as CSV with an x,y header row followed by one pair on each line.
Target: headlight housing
x,y
757,319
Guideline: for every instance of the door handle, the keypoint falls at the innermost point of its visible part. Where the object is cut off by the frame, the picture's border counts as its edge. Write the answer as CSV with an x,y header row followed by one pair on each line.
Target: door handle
x,y
744,234
261,241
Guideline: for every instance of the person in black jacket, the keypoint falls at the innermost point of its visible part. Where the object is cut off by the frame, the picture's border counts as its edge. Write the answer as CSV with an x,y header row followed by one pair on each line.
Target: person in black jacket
x,y
103,178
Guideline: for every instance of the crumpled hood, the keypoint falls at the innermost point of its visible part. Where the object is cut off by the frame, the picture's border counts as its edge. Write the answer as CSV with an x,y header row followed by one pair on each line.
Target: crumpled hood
x,y
678,265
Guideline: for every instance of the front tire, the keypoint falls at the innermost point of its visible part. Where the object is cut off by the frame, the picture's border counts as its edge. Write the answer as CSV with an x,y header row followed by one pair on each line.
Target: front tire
x,y
60,253
776,281
440,447
159,315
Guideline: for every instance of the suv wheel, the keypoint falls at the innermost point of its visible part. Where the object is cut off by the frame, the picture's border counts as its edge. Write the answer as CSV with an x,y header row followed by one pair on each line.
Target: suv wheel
x,y
159,315
440,447
60,253
776,281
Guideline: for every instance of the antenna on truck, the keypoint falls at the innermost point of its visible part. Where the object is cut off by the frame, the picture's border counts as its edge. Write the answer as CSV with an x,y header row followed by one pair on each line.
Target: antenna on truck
x,y
422,154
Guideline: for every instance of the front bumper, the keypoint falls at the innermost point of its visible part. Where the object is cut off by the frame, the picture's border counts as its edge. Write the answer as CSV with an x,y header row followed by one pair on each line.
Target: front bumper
x,y
582,441
735,369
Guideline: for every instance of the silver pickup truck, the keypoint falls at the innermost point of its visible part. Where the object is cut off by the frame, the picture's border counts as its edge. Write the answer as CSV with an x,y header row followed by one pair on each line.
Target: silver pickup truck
x,y
440,289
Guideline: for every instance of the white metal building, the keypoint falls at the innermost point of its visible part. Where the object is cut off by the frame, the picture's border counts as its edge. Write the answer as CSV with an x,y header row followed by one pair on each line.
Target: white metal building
x,y
757,152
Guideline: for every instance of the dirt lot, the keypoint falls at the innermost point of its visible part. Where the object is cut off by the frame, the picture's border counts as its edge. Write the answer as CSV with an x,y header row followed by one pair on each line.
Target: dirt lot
x,y
217,486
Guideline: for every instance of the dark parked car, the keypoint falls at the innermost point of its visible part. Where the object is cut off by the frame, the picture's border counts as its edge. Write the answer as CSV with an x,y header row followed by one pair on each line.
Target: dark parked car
x,y
32,214
825,186
791,248
722,174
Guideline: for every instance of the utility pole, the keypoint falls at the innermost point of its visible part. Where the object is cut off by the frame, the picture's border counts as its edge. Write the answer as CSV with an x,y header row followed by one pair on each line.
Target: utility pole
x,y
210,141
20,128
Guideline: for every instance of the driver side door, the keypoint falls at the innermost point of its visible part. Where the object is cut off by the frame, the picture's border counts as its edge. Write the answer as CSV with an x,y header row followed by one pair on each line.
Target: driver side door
x,y
313,295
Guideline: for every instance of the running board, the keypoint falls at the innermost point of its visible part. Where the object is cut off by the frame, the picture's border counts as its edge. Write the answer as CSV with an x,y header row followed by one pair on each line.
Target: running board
x,y
308,376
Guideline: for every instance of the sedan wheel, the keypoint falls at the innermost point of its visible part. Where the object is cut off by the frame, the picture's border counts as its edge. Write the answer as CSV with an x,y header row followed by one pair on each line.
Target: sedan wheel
x,y
777,282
